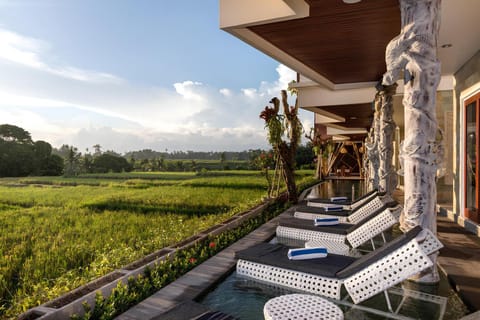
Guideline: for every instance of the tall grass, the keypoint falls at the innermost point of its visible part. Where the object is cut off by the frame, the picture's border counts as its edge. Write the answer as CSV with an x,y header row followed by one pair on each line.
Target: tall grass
x,y
58,233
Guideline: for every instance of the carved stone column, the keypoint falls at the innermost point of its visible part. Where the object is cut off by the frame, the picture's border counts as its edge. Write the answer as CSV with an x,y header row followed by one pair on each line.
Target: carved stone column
x,y
387,175
372,147
414,52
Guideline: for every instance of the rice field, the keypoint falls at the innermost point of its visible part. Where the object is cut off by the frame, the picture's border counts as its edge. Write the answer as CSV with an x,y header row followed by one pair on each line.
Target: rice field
x,y
59,233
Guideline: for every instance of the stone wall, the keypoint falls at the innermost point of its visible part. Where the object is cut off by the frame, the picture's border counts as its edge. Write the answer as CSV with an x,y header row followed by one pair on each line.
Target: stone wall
x,y
445,122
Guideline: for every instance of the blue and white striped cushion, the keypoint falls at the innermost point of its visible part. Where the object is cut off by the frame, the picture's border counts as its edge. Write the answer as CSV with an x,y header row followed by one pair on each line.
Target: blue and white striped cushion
x,y
338,199
307,253
333,208
325,222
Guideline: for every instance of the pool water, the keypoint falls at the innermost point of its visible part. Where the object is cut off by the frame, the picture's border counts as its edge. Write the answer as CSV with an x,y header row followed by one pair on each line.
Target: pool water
x,y
344,188
244,298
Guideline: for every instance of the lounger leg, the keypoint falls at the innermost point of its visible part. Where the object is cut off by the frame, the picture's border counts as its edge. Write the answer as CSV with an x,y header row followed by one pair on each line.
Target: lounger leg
x,y
373,244
383,237
401,304
387,298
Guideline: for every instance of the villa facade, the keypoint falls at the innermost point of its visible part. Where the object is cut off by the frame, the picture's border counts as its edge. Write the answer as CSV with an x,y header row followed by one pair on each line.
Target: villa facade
x,y
338,50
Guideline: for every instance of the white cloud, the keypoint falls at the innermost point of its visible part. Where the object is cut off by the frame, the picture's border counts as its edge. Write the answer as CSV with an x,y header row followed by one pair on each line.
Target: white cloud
x,y
189,90
226,92
28,52
286,75
250,93
65,104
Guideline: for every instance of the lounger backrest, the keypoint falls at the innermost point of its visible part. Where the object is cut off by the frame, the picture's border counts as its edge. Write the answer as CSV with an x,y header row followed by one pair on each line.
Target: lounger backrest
x,y
378,254
396,266
365,210
373,225
366,197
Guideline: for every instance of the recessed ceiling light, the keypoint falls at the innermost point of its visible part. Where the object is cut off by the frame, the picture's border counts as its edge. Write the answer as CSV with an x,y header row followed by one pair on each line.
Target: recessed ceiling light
x,y
446,45
351,1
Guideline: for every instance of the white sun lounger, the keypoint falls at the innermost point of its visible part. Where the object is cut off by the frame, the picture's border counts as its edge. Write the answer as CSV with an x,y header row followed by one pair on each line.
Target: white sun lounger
x,y
362,277
351,235
348,216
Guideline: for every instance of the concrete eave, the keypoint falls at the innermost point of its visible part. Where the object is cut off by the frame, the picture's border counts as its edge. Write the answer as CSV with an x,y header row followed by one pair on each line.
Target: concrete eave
x,y
236,16
312,94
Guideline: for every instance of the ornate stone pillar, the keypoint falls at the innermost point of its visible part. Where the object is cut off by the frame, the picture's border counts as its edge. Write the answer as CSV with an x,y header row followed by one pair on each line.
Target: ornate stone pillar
x,y
414,52
387,175
372,147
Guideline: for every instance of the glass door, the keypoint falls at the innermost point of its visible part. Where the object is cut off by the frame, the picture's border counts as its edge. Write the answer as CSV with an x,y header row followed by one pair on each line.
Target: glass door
x,y
472,157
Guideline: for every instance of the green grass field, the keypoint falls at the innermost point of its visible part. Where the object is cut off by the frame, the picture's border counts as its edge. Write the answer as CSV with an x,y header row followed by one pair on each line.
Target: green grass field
x,y
59,233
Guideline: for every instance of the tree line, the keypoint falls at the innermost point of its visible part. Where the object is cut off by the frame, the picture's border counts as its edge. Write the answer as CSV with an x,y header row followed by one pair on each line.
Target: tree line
x,y
21,156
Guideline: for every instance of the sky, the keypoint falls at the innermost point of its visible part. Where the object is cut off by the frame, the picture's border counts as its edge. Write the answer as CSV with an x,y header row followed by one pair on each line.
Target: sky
x,y
132,75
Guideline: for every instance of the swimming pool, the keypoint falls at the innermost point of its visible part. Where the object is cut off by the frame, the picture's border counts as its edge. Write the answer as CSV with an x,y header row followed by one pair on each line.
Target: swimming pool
x,y
244,298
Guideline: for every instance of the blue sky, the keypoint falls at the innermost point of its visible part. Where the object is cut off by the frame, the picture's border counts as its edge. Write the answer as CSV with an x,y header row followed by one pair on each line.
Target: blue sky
x,y
132,74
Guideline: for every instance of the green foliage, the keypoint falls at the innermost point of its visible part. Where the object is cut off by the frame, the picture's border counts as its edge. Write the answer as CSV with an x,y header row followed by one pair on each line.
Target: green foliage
x,y
137,289
304,156
59,233
110,163
275,130
20,156
16,134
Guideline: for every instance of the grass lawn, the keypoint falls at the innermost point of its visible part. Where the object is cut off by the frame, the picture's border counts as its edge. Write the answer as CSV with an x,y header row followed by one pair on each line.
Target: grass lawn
x,y
59,233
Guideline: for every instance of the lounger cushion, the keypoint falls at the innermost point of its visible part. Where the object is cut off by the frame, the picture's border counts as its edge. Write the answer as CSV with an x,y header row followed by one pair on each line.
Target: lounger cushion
x,y
276,255
378,254
319,210
304,224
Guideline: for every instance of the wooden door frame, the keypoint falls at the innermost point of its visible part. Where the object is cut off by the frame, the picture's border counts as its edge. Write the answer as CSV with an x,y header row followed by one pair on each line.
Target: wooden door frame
x,y
467,212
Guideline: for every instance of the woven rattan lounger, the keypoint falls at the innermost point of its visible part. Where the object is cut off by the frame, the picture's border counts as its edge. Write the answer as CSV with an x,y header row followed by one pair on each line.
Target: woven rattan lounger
x,y
350,216
346,203
362,277
343,233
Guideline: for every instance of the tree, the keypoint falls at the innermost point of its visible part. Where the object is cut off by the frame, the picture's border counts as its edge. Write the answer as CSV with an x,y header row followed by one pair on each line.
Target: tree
x,y
13,133
46,163
20,156
321,145
53,166
72,162
110,163
279,125
16,159
304,156
97,150
264,162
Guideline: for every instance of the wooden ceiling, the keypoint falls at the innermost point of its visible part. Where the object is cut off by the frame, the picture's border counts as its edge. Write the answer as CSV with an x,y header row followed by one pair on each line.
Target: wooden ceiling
x,y
358,115
343,42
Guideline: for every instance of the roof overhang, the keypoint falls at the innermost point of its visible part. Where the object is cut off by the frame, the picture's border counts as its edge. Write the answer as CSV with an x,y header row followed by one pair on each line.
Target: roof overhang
x,y
340,47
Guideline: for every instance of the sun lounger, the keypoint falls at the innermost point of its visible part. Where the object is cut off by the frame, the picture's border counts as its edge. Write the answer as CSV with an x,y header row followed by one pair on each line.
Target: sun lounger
x,y
362,277
354,216
354,234
344,201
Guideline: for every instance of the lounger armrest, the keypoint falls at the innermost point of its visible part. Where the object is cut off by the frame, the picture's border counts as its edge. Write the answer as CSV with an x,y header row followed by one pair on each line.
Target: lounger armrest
x,y
428,242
